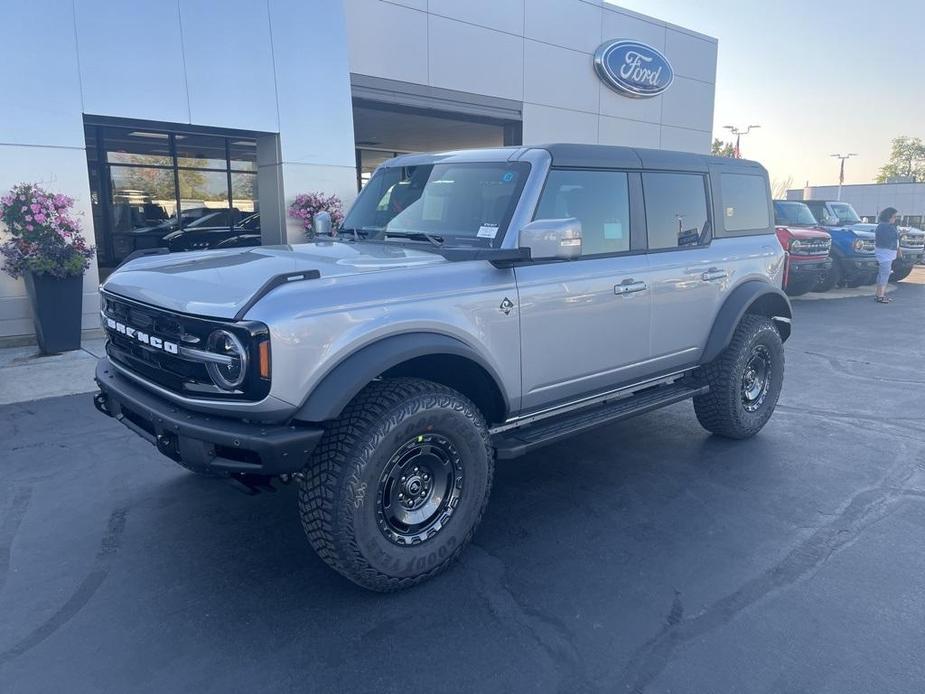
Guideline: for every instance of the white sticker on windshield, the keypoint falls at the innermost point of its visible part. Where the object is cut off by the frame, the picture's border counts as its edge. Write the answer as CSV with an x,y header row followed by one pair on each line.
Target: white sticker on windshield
x,y
488,231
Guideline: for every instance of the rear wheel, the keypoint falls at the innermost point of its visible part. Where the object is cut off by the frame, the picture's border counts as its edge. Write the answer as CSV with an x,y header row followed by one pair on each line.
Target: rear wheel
x,y
745,381
398,484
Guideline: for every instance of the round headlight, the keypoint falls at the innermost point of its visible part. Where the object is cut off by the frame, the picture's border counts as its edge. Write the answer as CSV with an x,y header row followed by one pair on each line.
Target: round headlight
x,y
858,244
796,245
230,375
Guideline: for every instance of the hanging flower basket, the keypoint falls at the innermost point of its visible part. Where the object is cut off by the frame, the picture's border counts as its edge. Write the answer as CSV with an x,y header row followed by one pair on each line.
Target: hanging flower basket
x,y
42,244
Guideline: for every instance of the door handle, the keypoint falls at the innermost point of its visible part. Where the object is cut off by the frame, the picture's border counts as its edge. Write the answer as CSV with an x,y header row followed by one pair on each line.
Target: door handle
x,y
714,273
629,287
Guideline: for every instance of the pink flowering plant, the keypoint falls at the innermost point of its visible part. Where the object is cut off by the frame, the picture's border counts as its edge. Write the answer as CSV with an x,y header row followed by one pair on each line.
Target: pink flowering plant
x,y
42,234
307,205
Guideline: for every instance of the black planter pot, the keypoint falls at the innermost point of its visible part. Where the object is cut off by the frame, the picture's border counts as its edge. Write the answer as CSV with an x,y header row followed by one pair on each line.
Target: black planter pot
x,y
56,311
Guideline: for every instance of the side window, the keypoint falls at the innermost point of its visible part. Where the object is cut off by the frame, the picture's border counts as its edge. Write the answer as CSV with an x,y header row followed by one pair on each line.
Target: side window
x,y
818,210
676,209
745,202
598,199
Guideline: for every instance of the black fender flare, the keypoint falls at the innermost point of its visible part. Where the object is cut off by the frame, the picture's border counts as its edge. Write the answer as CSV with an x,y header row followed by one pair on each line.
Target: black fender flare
x,y
342,383
752,294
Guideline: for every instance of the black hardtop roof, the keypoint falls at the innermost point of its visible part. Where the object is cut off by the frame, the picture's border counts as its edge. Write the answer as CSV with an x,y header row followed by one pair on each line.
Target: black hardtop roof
x,y
600,156
588,156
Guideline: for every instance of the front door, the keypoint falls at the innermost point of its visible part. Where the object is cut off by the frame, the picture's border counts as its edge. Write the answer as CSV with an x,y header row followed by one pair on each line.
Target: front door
x,y
585,323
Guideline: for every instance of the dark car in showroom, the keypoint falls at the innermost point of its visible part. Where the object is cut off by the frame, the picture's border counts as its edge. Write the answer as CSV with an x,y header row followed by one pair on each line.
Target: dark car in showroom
x,y
217,232
807,246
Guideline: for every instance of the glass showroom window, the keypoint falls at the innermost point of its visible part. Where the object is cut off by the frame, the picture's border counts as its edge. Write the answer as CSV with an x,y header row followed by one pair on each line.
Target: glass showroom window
x,y
180,191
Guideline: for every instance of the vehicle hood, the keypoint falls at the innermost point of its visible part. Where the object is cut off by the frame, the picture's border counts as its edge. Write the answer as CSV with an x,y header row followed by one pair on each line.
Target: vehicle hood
x,y
807,232
219,283
860,230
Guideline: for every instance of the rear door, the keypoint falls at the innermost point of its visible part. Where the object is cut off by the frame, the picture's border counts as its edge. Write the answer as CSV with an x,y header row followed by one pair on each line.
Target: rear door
x,y
687,275
585,323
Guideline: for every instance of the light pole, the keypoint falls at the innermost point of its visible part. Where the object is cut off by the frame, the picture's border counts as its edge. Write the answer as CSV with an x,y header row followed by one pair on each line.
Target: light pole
x,y
841,170
738,132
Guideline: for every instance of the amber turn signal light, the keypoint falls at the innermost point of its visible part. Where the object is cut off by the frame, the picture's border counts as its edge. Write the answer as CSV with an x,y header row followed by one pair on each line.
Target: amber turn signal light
x,y
264,359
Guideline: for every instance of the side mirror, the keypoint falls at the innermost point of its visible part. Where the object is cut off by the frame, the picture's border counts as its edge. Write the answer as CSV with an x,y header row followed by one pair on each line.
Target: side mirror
x,y
550,239
321,224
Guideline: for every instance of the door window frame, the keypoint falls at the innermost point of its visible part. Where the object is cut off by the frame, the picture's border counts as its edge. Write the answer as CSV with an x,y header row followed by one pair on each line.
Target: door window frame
x,y
708,235
637,228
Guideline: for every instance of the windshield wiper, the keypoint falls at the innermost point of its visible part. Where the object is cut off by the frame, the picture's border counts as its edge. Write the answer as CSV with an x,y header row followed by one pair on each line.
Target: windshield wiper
x,y
357,234
417,236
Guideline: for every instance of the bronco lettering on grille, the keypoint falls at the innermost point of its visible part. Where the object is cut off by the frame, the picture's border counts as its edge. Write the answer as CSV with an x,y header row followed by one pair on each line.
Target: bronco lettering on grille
x,y
144,338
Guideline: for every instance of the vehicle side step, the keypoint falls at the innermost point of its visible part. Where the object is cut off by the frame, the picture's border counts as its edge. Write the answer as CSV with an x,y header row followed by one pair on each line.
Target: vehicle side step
x,y
517,442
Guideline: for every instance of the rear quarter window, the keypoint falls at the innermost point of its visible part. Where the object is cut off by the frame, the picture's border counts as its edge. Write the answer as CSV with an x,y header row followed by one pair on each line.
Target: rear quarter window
x,y
745,202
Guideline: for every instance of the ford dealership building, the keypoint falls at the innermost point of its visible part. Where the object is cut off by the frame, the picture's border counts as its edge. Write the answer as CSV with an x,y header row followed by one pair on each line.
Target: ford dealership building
x,y
158,116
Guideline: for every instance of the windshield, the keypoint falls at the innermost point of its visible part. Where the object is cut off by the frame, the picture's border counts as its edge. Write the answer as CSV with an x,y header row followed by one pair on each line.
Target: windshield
x,y
845,213
467,204
793,214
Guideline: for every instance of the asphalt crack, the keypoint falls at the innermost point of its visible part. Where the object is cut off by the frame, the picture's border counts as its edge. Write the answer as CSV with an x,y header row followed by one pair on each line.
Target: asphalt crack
x,y
863,510
109,545
548,632
10,526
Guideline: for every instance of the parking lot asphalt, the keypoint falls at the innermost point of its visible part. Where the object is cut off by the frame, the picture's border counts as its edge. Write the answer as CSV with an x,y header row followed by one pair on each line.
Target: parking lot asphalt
x,y
644,557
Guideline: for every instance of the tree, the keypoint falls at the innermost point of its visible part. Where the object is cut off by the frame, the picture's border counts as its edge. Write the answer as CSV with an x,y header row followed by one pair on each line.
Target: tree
x,y
907,159
779,187
723,149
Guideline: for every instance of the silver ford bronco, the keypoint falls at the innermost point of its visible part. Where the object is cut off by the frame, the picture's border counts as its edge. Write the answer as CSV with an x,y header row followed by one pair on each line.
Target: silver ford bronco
x,y
474,306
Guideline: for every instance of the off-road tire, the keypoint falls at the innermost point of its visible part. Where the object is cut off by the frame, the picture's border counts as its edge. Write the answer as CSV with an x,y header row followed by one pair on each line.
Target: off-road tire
x,y
339,494
898,275
721,410
831,279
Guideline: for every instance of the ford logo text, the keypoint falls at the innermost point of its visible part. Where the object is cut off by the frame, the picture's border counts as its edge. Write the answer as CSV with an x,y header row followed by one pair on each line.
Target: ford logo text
x,y
633,68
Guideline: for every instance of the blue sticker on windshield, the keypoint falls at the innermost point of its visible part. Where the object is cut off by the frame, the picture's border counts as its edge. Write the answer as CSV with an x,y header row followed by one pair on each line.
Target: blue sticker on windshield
x,y
508,176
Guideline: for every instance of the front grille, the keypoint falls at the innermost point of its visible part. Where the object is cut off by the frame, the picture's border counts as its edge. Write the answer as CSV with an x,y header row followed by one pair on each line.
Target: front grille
x,y
814,247
913,243
152,348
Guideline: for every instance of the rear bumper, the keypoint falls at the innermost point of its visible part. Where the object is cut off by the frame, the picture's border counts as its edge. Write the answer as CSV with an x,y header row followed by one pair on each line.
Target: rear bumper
x,y
205,442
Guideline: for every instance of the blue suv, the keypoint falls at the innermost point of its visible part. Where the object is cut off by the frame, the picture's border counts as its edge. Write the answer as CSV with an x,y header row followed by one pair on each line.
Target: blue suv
x,y
853,261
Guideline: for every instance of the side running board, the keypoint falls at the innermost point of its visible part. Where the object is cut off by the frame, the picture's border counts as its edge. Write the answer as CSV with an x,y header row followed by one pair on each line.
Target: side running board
x,y
518,442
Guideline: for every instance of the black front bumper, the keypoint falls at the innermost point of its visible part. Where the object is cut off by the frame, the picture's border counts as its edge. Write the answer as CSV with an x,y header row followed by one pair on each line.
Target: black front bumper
x,y
204,442
859,265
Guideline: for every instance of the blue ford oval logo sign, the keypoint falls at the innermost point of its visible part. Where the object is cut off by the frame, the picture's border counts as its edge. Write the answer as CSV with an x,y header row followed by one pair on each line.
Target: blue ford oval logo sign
x,y
633,68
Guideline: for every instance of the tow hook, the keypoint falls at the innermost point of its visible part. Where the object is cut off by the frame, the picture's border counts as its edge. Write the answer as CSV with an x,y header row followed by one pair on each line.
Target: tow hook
x,y
101,403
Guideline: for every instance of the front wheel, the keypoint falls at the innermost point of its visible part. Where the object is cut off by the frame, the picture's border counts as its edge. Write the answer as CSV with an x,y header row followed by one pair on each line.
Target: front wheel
x,y
398,484
745,381
831,278
900,273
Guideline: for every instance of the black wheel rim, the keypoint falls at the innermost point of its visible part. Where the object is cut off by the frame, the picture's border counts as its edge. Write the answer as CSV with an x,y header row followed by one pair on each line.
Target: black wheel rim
x,y
756,379
419,489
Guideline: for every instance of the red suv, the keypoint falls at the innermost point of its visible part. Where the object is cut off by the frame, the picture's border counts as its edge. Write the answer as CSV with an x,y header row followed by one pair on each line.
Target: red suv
x,y
807,246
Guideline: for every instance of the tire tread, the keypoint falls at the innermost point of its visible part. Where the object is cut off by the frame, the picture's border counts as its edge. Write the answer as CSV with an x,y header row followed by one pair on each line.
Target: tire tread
x,y
320,507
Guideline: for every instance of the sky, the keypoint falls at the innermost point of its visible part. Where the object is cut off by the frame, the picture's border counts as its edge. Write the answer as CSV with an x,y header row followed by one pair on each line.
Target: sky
x,y
819,76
